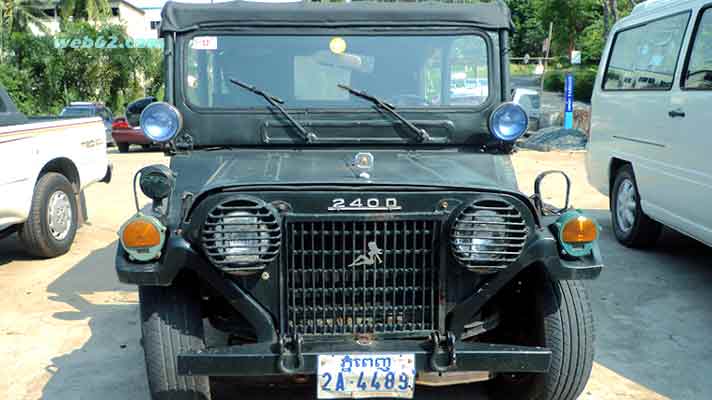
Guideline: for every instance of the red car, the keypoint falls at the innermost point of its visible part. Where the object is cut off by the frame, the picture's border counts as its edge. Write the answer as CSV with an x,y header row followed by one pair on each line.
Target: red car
x,y
125,135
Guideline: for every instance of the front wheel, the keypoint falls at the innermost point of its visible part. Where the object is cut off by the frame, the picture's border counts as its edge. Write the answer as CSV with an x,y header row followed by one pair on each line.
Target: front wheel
x,y
52,223
632,227
171,323
561,320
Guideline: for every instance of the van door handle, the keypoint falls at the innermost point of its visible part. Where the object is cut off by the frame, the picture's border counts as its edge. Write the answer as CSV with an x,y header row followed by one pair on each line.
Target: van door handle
x,y
677,113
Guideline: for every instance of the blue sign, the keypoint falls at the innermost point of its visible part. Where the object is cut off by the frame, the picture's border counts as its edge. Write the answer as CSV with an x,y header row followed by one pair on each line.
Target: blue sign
x,y
569,99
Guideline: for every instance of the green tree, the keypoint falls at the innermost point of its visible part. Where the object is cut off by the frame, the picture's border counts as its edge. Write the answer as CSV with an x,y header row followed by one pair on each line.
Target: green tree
x,y
91,10
51,76
19,16
529,31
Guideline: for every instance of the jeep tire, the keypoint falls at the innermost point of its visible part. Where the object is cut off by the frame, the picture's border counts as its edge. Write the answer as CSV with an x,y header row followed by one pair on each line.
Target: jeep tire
x,y
630,224
171,323
565,326
52,223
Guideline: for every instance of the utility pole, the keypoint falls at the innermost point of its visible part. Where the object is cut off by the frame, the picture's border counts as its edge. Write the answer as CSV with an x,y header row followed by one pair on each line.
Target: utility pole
x,y
546,56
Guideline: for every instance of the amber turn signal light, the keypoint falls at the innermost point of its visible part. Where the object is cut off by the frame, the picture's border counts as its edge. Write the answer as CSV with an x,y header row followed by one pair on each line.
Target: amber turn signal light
x,y
579,230
140,233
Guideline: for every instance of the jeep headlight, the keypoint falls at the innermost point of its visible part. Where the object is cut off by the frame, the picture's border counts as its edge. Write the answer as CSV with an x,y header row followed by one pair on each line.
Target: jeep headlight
x,y
478,236
242,237
161,122
488,235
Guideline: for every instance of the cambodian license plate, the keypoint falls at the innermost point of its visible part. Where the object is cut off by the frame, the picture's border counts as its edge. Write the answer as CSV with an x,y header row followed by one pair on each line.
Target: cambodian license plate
x,y
366,375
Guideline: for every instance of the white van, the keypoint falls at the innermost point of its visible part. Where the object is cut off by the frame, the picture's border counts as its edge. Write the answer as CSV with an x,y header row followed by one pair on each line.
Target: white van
x,y
651,134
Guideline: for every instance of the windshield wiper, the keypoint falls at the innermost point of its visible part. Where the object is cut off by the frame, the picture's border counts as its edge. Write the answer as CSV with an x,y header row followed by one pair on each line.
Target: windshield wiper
x,y
420,134
276,102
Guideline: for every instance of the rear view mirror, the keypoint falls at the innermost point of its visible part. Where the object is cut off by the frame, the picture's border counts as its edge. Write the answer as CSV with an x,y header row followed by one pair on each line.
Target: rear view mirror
x,y
136,107
555,199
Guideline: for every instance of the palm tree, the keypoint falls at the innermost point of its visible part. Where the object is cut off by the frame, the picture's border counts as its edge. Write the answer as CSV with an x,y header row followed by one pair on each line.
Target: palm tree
x,y
22,15
92,10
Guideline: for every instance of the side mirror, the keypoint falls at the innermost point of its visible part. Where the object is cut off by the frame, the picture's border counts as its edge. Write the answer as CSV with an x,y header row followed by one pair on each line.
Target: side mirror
x,y
538,199
135,108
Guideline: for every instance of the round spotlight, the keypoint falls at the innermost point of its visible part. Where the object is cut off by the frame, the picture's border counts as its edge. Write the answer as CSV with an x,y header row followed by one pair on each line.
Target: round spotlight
x,y
156,181
509,122
161,122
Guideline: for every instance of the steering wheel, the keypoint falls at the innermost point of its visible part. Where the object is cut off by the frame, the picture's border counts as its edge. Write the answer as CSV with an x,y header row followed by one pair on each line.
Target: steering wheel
x,y
407,100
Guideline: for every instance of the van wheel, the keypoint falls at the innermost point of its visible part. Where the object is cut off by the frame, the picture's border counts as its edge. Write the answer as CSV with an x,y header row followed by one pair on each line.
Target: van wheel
x,y
52,224
561,319
630,224
123,147
171,323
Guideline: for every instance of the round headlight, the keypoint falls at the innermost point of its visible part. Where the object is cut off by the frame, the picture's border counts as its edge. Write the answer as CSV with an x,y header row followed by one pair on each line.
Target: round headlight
x,y
480,236
488,235
242,237
161,121
508,122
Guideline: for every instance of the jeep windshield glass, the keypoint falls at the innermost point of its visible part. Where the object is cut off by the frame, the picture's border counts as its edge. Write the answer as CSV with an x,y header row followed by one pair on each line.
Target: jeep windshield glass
x,y
407,71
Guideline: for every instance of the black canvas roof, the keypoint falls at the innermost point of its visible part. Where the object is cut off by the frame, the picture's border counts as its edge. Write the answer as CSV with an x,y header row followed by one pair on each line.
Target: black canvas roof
x,y
179,17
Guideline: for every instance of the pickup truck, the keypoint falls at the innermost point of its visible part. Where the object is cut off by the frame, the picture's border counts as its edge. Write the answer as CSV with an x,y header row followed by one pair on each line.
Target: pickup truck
x,y
44,167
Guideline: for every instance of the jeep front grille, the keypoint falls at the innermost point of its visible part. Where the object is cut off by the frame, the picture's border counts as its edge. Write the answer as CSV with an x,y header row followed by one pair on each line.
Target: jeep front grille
x,y
398,294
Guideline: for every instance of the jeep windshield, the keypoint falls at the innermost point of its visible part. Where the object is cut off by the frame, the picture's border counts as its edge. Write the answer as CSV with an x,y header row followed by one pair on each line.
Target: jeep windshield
x,y
408,71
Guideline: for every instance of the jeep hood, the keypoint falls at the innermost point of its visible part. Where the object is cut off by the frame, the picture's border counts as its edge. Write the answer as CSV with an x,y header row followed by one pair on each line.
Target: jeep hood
x,y
203,171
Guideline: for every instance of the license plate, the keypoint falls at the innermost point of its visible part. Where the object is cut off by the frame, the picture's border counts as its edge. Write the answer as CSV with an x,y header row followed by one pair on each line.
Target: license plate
x,y
366,375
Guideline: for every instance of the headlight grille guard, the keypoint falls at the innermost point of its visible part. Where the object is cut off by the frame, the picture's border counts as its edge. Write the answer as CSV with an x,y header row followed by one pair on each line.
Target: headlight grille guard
x,y
241,235
488,235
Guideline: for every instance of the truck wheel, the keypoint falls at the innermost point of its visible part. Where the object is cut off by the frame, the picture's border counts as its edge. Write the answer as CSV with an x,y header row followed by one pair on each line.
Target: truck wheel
x,y
52,224
564,324
171,323
630,224
123,147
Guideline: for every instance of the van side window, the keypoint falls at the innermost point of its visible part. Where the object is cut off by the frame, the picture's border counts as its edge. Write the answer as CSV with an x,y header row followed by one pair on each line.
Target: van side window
x,y
645,57
699,69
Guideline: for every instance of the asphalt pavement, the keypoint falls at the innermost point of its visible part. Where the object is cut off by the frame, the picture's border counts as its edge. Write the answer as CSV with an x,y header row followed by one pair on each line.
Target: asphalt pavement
x,y
69,330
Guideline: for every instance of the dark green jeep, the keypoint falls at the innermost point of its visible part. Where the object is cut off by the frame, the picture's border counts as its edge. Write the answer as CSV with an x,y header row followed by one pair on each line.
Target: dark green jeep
x,y
341,204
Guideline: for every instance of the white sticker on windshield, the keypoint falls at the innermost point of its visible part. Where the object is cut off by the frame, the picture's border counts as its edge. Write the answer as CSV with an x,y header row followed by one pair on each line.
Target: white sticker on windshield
x,y
205,43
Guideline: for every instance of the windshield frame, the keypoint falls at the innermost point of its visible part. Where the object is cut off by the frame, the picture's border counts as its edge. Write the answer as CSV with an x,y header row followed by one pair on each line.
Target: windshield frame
x,y
181,51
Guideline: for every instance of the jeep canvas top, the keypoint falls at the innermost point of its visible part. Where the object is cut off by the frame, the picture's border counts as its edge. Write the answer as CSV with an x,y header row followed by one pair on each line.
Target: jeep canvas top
x,y
340,211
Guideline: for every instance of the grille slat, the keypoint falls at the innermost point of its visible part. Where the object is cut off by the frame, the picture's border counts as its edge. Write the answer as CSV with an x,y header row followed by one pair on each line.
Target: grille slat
x,y
391,287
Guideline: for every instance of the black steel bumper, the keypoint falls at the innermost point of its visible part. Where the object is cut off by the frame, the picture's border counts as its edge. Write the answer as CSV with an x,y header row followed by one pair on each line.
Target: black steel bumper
x,y
266,359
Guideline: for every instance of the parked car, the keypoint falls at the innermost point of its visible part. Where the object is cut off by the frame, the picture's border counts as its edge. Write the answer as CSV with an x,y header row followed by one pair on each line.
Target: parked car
x,y
125,135
82,109
44,168
650,139
349,229
530,100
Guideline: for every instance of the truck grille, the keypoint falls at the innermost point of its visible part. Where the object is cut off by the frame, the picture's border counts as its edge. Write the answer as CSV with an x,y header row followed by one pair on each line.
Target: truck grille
x,y
395,291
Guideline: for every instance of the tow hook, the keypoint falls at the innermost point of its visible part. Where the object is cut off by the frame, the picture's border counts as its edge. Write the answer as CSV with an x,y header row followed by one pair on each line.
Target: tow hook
x,y
442,345
290,348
